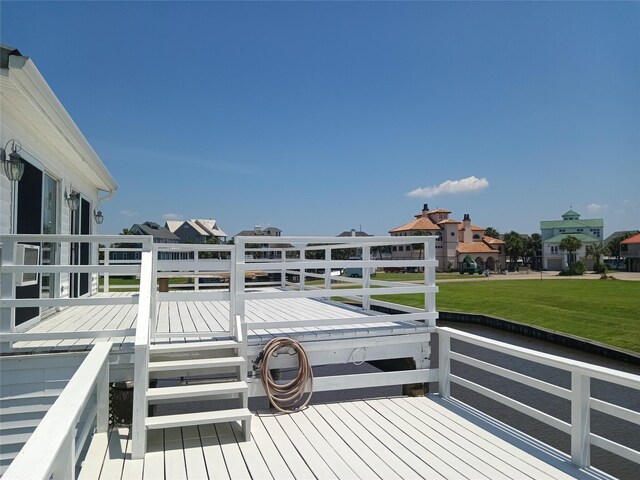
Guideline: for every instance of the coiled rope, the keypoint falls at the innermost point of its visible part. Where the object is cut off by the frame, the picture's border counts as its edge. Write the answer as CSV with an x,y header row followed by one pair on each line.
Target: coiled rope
x,y
285,396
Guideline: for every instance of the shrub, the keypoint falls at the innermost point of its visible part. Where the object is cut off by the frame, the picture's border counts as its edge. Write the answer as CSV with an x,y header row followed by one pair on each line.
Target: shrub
x,y
600,268
576,268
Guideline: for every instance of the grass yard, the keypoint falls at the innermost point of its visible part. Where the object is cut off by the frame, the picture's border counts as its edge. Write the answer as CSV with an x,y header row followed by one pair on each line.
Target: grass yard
x,y
605,311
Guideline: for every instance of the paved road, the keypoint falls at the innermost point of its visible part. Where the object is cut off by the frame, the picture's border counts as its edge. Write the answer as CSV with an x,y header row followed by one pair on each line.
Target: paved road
x,y
633,276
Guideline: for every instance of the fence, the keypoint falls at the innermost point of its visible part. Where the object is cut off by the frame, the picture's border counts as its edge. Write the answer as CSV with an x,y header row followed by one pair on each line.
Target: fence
x,y
54,448
579,394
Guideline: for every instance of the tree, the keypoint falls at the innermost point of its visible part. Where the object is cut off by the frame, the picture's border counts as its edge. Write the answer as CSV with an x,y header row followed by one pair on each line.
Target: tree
x,y
597,251
614,244
514,246
570,244
532,250
491,232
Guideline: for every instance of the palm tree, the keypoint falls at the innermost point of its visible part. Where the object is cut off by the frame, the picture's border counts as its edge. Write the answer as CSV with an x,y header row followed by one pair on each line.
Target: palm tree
x,y
597,251
571,244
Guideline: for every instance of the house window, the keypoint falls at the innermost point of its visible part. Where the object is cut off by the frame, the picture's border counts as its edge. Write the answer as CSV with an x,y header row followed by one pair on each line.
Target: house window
x,y
580,229
554,249
562,230
394,248
476,237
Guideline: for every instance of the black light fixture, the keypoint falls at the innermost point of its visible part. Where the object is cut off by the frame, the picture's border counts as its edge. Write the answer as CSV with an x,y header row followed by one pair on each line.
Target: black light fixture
x,y
98,217
73,200
14,167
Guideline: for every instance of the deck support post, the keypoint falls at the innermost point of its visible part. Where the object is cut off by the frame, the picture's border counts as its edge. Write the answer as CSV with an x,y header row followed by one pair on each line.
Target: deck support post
x,y
444,365
580,420
105,277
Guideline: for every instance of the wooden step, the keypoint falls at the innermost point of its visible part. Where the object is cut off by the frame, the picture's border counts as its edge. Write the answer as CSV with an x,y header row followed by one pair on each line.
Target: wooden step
x,y
188,393
195,364
166,348
199,418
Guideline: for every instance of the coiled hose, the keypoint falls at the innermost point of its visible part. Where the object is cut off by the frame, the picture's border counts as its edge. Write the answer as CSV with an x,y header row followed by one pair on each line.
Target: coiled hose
x,y
285,396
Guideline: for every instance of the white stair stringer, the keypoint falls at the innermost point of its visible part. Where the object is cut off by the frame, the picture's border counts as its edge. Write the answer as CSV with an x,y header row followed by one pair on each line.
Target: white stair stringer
x,y
177,361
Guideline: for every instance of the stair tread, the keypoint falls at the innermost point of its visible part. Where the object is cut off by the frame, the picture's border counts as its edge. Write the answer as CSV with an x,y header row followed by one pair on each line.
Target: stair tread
x,y
199,418
188,391
191,346
195,363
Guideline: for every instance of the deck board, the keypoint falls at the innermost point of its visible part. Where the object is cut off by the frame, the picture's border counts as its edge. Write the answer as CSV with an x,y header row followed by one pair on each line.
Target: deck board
x,y
209,317
383,438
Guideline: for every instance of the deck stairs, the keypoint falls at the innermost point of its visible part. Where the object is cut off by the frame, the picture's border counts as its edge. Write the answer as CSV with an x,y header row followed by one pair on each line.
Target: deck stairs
x,y
208,372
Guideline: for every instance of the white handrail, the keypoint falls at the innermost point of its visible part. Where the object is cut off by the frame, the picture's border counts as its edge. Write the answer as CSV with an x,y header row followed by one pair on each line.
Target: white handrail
x,y
51,451
579,394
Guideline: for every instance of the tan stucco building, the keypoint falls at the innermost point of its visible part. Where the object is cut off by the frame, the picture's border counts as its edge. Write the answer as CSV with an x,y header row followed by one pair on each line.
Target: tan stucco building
x,y
454,240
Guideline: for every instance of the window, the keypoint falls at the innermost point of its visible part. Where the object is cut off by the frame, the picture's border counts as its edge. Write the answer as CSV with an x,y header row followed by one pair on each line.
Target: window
x,y
394,248
476,237
562,230
554,249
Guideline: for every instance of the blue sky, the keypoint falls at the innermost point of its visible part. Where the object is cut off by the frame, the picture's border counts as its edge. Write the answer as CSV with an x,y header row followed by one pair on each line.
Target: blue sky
x,y
322,117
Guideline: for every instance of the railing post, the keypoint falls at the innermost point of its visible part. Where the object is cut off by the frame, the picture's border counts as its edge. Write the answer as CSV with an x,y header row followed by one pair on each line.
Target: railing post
x,y
141,382
153,308
65,467
366,277
7,292
303,258
429,280
105,277
237,296
580,419
327,270
102,394
444,365
283,269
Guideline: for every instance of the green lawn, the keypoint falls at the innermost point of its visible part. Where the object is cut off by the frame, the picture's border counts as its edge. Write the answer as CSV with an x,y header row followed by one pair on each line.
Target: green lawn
x,y
605,311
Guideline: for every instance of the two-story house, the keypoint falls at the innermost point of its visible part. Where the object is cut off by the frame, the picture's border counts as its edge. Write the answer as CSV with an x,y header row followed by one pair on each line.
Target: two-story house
x,y
196,230
588,231
454,240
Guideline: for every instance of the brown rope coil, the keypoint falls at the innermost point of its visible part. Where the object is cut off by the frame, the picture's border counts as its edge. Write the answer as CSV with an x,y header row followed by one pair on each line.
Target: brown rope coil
x,y
285,396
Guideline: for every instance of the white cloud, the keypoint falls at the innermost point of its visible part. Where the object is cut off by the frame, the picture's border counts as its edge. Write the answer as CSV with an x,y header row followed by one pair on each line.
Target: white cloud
x,y
128,213
452,187
172,216
596,208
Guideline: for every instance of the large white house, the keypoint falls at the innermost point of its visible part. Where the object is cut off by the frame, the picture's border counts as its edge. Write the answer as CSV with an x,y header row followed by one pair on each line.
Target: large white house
x,y
60,170
588,231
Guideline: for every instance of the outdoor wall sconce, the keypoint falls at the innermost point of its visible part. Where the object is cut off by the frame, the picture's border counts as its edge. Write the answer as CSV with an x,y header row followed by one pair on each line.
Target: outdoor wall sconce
x,y
73,200
98,217
14,167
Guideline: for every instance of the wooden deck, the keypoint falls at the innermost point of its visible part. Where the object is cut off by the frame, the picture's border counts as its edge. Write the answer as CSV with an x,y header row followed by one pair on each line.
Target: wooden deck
x,y
208,317
389,438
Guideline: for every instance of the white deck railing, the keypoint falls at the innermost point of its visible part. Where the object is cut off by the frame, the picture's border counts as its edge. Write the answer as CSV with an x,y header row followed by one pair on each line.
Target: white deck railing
x,y
299,264
60,281
53,449
579,395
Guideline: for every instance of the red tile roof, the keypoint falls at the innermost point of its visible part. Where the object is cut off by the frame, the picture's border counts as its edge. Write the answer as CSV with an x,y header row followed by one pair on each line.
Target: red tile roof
x,y
448,220
475,247
422,223
633,239
492,241
473,228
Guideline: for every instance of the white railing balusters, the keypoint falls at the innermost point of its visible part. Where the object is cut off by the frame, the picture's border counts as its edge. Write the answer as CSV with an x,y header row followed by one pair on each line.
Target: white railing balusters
x,y
51,450
580,393
7,291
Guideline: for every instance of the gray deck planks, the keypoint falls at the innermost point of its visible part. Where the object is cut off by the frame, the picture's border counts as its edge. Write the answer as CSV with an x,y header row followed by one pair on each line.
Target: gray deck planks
x,y
296,464
380,438
276,464
154,458
342,449
212,451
